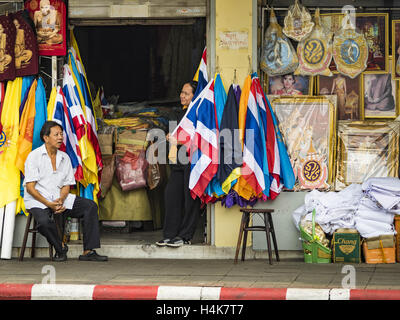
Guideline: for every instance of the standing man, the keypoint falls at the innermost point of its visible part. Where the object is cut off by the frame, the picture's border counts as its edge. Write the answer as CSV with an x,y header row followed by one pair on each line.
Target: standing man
x,y
48,177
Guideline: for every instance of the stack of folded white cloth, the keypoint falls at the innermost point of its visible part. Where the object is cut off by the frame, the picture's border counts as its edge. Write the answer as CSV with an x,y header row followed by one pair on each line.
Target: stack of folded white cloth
x,y
334,210
369,208
375,213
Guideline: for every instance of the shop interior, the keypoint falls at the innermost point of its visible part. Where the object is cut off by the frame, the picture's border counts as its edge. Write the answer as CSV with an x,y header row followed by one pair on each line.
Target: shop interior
x,y
140,68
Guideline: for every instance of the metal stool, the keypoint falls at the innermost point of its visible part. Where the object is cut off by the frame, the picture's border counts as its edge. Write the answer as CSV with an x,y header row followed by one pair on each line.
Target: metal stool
x,y
34,231
268,227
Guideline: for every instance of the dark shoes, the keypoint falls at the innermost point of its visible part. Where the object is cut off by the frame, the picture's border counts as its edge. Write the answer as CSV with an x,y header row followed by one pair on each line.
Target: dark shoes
x,y
60,256
92,256
162,242
178,242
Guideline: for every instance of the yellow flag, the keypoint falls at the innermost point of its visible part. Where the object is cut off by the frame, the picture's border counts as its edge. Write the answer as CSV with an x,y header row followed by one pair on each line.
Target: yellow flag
x,y
9,173
24,145
51,104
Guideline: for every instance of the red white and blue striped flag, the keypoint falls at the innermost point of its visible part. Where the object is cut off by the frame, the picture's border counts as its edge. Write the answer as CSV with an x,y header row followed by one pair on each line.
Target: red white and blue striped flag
x,y
201,75
70,144
204,148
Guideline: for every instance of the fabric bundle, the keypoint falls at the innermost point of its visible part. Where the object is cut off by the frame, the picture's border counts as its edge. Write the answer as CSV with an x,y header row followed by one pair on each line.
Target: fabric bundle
x,y
369,207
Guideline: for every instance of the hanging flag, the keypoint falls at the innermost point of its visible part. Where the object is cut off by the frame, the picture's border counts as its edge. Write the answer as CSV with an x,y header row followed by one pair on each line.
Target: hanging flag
x,y
10,174
51,104
70,144
254,148
214,189
87,105
272,151
204,148
41,113
90,168
201,75
2,95
230,150
24,144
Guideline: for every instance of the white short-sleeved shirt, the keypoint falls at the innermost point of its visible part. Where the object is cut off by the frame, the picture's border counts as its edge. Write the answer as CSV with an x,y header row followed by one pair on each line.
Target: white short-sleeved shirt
x,y
48,182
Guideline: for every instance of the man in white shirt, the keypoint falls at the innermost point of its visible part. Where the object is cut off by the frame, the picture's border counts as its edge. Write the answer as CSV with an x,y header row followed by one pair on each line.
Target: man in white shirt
x,y
48,177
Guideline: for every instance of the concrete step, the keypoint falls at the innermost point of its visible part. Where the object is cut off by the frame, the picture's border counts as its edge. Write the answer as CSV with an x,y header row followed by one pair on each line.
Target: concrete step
x,y
151,251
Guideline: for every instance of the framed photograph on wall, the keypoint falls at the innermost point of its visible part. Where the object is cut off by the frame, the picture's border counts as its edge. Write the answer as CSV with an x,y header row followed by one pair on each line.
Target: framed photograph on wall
x,y
375,27
348,91
381,95
308,127
366,149
50,20
396,49
289,85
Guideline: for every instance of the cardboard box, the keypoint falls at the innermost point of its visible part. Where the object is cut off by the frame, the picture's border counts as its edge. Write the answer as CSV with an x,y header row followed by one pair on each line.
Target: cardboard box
x,y
346,246
380,249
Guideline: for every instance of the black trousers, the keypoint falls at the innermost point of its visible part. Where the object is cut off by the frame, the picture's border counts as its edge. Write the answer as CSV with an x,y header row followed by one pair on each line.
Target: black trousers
x,y
85,209
181,210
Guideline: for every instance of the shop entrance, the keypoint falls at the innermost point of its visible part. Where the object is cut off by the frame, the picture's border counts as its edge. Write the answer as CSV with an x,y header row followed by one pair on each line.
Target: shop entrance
x,y
141,67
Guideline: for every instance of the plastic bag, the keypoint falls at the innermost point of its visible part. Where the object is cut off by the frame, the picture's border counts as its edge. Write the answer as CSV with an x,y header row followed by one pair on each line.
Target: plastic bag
x,y
132,170
107,174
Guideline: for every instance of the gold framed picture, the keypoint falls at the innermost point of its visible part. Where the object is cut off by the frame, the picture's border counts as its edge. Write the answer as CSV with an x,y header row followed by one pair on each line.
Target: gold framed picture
x,y
381,95
308,127
375,27
289,85
366,149
396,49
349,94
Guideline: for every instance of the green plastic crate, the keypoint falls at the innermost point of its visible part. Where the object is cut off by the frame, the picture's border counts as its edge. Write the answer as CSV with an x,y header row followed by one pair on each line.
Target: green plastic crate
x,y
314,251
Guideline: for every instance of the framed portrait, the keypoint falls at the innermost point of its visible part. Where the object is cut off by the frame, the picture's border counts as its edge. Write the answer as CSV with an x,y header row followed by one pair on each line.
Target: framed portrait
x,y
308,127
289,85
50,20
396,49
375,27
366,149
348,91
380,95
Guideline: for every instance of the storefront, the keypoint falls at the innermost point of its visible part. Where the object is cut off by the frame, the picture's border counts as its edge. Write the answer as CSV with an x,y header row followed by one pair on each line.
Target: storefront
x,y
120,45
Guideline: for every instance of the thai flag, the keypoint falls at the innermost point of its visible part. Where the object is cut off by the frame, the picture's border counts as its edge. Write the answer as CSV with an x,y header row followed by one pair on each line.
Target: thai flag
x,y
204,148
272,149
72,97
254,160
201,75
90,116
70,144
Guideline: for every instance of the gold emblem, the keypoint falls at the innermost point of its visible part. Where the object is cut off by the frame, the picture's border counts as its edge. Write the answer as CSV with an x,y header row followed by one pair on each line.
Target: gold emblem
x,y
315,51
298,22
350,49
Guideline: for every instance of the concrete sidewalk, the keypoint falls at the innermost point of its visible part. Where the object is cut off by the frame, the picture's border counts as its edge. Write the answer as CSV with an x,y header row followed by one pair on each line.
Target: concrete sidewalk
x,y
284,278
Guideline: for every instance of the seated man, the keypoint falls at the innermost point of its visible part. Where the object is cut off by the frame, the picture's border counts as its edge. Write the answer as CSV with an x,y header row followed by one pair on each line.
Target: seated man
x,y
48,176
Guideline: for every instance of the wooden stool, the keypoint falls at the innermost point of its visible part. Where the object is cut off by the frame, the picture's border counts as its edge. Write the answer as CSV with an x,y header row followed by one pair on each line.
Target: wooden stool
x,y
268,227
34,231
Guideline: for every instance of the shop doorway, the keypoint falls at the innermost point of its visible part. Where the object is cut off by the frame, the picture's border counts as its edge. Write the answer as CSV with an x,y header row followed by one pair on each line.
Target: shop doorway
x,y
141,65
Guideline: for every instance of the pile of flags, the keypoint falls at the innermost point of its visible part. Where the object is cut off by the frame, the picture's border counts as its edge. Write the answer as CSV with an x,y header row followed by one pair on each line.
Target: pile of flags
x,y
71,105
235,148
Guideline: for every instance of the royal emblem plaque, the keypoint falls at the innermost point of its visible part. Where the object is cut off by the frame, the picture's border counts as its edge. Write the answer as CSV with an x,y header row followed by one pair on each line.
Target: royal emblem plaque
x,y
278,55
315,51
298,22
350,49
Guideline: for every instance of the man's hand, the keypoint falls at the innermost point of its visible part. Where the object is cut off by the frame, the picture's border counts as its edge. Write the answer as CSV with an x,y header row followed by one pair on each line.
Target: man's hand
x,y
60,208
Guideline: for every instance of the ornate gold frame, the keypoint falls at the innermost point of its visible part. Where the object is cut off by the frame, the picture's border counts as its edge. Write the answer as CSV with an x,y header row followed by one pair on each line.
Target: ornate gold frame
x,y
397,95
386,53
315,100
365,128
394,73
361,91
